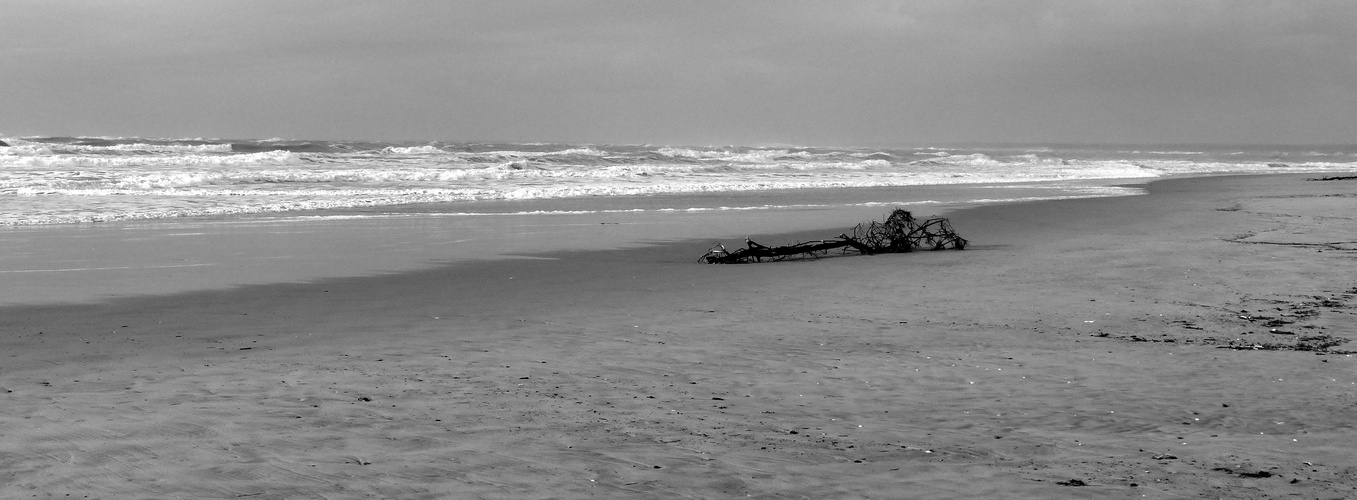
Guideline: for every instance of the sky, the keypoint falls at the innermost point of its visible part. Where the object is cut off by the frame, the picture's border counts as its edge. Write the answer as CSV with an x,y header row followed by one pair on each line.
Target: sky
x,y
829,73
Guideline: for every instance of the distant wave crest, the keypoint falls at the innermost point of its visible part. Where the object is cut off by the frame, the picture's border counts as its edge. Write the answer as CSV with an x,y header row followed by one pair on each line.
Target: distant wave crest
x,y
65,179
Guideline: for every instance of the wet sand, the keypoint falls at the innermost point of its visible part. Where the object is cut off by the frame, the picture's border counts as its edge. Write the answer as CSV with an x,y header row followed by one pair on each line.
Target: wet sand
x,y
1187,343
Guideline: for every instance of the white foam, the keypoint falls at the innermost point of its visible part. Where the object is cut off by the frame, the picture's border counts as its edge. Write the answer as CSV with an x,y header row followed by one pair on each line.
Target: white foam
x,y
48,180
413,150
145,148
46,158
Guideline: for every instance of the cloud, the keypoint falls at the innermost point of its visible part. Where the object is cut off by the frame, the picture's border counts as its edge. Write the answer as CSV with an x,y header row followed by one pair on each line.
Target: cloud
x,y
708,72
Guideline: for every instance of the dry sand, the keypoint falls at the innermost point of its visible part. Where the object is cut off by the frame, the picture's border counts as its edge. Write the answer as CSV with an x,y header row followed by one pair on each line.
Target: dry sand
x,y
1076,350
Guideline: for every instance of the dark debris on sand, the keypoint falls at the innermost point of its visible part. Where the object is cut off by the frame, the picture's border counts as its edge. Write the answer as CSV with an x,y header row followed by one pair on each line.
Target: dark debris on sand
x,y
899,233
1276,325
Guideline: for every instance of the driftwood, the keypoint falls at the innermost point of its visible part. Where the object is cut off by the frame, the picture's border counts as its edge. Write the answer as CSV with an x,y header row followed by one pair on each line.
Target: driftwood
x,y
900,232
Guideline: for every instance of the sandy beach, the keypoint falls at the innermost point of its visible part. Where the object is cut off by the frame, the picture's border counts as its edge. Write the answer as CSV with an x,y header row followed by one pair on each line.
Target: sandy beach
x,y
1188,343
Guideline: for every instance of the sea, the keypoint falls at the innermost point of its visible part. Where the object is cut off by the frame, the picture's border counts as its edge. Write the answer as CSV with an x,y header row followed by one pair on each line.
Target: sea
x,y
79,180
89,219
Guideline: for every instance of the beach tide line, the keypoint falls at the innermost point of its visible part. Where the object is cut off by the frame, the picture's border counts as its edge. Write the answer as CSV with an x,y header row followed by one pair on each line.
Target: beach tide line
x,y
15,271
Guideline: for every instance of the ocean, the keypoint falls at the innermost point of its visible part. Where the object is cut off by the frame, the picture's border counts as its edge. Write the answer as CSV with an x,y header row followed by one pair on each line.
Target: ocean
x,y
94,218
72,180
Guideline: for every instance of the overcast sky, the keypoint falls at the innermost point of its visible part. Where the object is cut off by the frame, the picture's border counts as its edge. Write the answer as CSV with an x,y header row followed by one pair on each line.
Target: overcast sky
x,y
833,72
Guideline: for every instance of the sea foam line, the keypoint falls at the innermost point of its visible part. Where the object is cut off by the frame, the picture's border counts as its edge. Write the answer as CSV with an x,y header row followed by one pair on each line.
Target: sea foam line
x,y
69,269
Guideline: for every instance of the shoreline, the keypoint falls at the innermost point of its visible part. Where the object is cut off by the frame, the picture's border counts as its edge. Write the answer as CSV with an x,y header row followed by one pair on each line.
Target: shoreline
x,y
91,263
1073,340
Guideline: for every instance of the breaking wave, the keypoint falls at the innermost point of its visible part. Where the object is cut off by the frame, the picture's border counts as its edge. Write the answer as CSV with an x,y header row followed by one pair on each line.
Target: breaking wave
x,y
76,179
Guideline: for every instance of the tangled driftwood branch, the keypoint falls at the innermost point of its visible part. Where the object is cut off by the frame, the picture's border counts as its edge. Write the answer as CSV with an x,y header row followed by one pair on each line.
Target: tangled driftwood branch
x,y
900,232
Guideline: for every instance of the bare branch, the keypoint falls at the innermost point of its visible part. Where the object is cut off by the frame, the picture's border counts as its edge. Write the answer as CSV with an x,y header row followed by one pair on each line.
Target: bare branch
x,y
900,232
